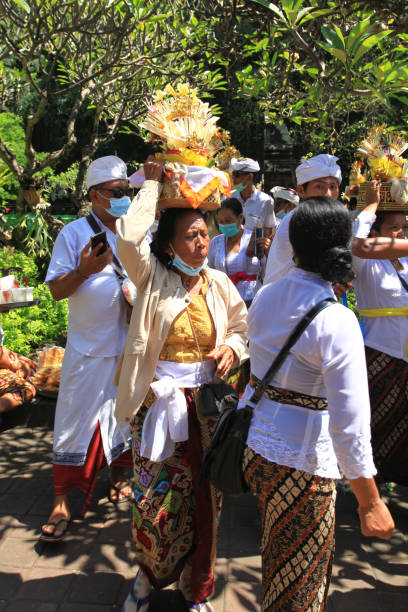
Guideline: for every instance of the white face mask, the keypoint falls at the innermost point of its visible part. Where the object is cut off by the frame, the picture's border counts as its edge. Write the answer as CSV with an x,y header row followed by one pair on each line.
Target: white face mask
x,y
280,215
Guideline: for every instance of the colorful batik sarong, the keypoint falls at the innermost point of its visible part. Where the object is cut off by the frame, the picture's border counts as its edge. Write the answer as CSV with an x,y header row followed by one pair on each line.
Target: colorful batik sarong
x,y
388,384
297,511
175,518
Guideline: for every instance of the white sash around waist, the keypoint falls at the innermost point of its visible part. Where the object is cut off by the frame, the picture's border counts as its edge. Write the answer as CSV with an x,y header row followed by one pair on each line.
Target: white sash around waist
x,y
166,420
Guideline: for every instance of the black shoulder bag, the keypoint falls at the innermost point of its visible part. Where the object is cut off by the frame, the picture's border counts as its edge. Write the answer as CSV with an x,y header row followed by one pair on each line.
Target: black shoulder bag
x,y
117,268
222,461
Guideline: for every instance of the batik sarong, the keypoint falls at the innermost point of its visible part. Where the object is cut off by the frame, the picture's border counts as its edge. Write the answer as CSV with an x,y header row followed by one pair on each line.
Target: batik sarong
x,y
388,384
175,517
297,511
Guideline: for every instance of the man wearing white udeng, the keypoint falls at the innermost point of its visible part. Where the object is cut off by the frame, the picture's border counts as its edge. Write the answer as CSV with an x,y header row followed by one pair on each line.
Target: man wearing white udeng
x,y
257,205
86,432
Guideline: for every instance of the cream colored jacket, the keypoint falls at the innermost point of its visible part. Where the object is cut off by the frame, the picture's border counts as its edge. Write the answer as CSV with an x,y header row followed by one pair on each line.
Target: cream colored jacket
x,y
160,298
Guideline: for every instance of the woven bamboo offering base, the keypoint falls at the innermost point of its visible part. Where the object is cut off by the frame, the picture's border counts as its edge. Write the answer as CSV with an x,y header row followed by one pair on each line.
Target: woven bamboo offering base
x,y
386,202
172,198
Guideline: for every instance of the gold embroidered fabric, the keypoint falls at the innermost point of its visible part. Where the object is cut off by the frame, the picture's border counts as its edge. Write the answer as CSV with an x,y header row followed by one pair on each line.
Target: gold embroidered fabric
x,y
180,344
285,396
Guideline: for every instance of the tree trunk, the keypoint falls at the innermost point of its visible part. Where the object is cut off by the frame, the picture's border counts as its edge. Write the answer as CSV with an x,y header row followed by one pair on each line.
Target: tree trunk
x,y
20,202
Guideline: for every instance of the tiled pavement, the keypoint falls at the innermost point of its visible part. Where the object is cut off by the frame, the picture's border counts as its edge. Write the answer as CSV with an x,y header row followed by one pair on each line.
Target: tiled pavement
x,y
91,570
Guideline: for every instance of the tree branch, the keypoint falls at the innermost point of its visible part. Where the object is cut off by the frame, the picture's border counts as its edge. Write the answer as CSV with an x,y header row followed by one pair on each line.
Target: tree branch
x,y
10,159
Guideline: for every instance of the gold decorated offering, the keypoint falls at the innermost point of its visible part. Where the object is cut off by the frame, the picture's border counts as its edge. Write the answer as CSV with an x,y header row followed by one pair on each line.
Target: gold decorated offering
x,y
382,160
191,145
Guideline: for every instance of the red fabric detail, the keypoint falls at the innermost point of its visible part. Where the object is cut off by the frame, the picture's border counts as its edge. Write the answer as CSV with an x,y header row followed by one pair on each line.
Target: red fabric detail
x,y
242,276
83,477
202,576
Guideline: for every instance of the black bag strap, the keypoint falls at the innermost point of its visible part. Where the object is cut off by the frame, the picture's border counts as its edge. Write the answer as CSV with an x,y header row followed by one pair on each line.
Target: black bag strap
x,y
403,281
283,353
117,267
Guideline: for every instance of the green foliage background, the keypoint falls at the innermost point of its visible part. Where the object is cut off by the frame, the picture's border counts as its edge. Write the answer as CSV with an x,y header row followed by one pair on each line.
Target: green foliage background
x,y
26,329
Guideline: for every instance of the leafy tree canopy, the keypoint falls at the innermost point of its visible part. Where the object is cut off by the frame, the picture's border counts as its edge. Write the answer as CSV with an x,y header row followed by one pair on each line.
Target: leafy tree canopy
x,y
325,68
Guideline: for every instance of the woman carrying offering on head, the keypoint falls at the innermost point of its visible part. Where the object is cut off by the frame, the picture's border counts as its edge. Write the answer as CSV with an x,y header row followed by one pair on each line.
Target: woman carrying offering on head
x,y
314,415
188,326
381,288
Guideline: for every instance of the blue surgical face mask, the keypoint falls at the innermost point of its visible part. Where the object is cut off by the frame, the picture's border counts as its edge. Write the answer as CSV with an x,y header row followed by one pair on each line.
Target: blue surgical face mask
x,y
281,214
119,206
183,267
240,187
229,229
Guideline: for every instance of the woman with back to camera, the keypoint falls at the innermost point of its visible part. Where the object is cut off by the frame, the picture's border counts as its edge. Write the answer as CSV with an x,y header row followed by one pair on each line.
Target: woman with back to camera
x,y
313,416
188,325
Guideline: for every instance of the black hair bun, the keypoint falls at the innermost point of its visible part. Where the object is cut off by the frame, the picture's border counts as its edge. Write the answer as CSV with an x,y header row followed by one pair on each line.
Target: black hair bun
x,y
335,265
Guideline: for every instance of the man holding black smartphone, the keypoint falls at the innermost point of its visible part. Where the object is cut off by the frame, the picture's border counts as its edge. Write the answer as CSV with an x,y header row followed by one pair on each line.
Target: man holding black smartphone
x,y
83,268
259,216
256,204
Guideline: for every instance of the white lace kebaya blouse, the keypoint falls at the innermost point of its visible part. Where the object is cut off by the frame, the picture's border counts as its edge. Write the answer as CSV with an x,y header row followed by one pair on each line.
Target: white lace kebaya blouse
x,y
236,262
327,361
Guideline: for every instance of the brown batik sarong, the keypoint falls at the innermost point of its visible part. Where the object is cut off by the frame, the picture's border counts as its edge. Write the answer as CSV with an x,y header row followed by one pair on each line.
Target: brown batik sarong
x,y
18,387
388,384
297,511
175,519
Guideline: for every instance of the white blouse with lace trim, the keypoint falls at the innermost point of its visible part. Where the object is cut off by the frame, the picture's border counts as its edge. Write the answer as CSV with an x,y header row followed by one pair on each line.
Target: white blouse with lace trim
x,y
236,262
327,361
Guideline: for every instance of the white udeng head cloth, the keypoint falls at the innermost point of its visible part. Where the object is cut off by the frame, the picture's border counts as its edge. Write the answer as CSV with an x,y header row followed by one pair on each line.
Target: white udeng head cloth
x,y
245,165
317,167
286,194
105,169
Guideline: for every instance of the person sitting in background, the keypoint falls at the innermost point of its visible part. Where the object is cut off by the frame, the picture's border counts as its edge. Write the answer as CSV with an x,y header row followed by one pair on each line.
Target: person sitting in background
x,y
257,205
285,200
15,369
86,434
228,251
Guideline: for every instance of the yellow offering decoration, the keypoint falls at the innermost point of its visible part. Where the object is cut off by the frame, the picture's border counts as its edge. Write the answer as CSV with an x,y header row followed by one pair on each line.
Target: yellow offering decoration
x,y
382,153
190,139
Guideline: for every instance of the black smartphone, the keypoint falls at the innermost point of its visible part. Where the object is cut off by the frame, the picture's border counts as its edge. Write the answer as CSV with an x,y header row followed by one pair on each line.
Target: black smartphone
x,y
259,250
97,239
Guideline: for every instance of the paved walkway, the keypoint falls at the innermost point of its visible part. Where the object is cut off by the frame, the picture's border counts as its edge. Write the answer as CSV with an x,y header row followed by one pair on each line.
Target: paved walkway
x,y
91,570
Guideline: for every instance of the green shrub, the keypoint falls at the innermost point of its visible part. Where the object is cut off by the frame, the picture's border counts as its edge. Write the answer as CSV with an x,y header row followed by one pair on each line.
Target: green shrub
x,y
60,186
26,329
12,134
9,257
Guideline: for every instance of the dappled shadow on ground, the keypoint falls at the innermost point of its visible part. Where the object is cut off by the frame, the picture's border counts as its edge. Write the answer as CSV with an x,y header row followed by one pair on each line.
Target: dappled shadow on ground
x,y
91,570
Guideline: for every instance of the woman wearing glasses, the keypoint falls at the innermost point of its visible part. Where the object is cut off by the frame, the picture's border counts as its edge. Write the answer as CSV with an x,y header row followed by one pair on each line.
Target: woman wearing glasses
x,y
86,435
